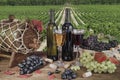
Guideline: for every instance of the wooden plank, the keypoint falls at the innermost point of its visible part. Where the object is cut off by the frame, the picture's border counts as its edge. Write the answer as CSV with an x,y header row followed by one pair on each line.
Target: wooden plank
x,y
16,58
4,55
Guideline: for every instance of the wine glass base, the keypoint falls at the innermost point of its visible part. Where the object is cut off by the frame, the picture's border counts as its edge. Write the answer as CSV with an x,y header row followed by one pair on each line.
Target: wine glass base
x,y
77,63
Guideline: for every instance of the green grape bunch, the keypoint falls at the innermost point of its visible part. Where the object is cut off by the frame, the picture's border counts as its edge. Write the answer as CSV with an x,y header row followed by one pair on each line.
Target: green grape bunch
x,y
87,60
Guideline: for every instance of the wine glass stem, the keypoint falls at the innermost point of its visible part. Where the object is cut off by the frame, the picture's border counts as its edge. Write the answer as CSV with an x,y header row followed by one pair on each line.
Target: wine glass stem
x,y
60,53
77,55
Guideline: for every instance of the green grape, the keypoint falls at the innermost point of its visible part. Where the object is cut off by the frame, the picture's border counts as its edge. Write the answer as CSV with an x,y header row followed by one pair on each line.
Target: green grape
x,y
72,68
89,70
81,60
105,71
100,72
75,68
78,67
98,64
92,64
95,70
87,66
103,63
108,62
110,71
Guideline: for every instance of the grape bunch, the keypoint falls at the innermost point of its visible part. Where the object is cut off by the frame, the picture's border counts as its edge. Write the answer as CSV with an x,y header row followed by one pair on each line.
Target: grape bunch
x,y
91,40
68,74
30,64
75,67
92,43
87,60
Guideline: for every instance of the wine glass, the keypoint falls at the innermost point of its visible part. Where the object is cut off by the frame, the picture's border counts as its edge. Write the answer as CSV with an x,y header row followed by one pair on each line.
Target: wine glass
x,y
60,38
77,41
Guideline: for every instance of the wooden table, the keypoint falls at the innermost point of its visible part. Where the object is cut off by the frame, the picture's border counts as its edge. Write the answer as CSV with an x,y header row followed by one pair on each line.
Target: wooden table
x,y
45,69
43,76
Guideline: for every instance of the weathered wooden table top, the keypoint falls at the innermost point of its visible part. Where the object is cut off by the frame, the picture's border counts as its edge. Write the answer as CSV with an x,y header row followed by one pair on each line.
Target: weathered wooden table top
x,y
43,75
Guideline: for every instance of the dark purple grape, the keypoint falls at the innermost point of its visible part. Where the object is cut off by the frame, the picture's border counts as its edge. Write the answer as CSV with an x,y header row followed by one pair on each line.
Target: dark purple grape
x,y
63,76
33,57
30,64
92,43
69,77
31,67
37,61
68,74
74,76
20,65
29,59
119,50
25,69
67,71
27,65
24,63
29,71
22,73
113,43
34,62
50,73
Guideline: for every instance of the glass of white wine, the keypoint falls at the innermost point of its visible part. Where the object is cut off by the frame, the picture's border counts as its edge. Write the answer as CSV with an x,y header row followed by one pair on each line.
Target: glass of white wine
x,y
60,38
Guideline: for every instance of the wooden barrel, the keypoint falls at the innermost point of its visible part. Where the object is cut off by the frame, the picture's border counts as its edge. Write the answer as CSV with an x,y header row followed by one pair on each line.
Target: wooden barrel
x,y
16,37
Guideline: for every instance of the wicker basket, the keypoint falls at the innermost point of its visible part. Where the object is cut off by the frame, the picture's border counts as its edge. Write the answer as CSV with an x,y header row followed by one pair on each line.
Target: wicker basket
x,y
16,37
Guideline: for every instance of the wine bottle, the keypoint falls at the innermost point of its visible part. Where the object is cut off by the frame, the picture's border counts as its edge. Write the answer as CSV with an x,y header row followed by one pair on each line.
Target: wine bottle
x,y
52,51
67,48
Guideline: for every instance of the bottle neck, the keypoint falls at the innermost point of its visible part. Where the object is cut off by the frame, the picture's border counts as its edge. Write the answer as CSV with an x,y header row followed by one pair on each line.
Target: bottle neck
x,y
52,16
67,15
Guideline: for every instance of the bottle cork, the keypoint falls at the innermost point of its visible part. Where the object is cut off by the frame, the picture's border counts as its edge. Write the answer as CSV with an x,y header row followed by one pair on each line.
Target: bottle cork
x,y
48,60
119,46
66,66
53,66
87,74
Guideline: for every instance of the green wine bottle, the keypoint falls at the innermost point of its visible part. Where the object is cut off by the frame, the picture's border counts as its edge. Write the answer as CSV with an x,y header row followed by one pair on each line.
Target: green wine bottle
x,y
52,52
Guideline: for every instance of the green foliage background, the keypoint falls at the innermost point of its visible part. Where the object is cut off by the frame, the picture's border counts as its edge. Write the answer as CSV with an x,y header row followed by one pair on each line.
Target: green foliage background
x,y
56,2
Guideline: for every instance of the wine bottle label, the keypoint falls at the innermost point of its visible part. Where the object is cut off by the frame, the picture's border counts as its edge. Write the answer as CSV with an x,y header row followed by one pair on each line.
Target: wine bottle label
x,y
70,28
75,48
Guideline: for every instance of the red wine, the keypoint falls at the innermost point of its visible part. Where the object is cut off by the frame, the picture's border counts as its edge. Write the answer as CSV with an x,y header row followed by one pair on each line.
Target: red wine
x,y
67,48
77,39
52,52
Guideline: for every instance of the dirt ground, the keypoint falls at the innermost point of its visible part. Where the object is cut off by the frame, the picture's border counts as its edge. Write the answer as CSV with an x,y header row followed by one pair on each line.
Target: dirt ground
x,y
44,76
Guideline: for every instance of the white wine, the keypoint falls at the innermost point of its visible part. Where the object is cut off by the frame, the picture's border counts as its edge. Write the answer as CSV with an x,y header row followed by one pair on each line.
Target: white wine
x,y
60,37
52,52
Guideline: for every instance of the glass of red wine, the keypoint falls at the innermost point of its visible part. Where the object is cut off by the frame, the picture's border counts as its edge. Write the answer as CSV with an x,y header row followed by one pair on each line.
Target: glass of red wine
x,y
77,41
